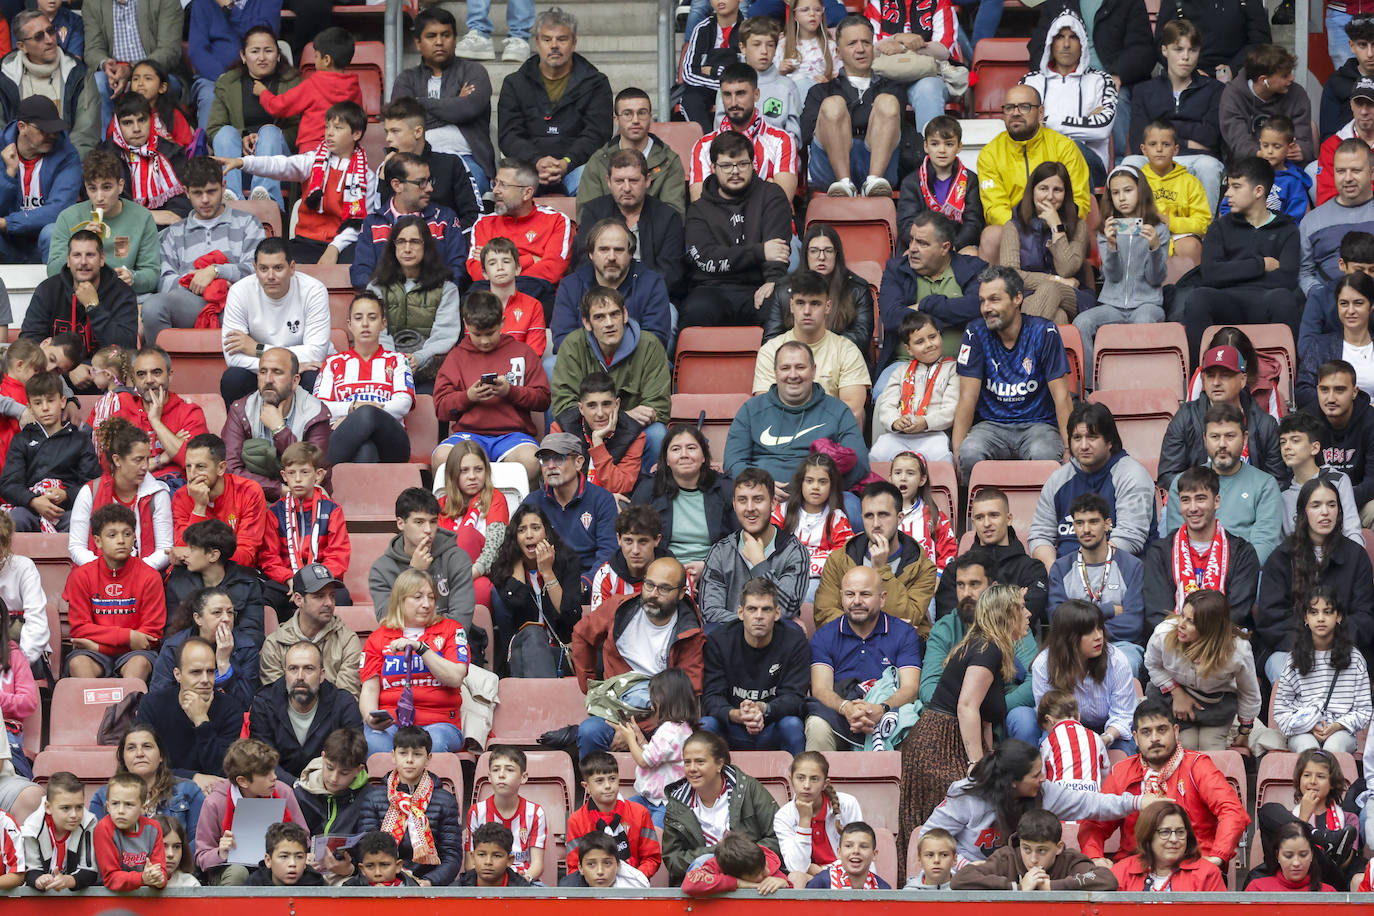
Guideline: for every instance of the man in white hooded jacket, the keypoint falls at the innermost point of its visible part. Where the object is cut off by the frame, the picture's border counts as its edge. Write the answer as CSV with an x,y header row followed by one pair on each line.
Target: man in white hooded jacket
x,y
1080,101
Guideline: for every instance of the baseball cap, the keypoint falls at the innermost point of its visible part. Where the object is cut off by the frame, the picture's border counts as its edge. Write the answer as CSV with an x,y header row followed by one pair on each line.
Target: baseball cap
x,y
39,111
1364,89
1223,357
560,444
311,578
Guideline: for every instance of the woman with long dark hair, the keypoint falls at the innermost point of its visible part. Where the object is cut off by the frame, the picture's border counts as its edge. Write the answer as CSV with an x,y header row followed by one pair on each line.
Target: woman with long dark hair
x,y
1354,343
1323,664
538,585
142,753
240,126
419,298
1048,244
851,299
368,390
209,614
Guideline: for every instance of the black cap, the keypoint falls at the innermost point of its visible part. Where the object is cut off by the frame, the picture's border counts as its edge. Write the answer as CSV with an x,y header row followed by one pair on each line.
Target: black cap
x,y
39,111
310,579
1364,89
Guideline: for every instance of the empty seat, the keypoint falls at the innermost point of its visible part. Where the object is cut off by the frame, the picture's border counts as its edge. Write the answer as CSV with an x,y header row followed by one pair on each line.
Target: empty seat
x,y
885,853
448,767
550,784
716,360
998,65
712,412
1275,340
1020,480
198,357
531,706
769,768
422,426
366,546
560,203
510,478
360,618
867,226
1141,417
1073,349
368,64
371,495
336,280
265,210
211,405
78,703
680,136
1132,356
92,765
874,778
49,554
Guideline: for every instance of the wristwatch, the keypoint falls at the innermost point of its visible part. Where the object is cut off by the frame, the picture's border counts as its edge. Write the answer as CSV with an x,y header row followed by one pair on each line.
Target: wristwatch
x,y
886,708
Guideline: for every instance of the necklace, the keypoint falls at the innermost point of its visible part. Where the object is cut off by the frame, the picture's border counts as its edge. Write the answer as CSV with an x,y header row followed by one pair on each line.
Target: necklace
x,y
1094,595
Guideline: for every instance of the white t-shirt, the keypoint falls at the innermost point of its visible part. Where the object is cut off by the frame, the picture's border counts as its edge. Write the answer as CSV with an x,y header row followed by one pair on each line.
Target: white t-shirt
x,y
714,819
645,646
1362,358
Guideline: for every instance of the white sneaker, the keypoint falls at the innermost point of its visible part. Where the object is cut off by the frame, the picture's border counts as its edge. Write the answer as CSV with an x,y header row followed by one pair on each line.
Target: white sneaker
x,y
260,193
230,195
842,188
515,51
877,186
475,46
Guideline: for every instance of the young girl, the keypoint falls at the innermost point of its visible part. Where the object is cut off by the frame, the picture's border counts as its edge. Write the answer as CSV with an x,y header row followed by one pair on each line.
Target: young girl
x,y
818,519
806,54
1047,242
1289,863
181,870
21,590
658,761
169,123
1318,789
368,391
476,513
112,371
808,827
1134,243
1322,698
921,519
916,406
18,694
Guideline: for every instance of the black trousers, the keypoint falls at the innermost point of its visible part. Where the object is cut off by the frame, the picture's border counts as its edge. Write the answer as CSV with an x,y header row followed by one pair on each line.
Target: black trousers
x,y
715,306
367,436
1205,307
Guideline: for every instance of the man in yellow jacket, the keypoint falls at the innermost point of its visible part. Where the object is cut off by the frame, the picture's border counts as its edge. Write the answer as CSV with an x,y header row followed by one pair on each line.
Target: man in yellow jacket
x,y
1005,164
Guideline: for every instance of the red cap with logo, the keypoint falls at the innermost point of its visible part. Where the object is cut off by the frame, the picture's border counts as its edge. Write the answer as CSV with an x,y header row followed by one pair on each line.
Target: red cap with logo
x,y
1223,358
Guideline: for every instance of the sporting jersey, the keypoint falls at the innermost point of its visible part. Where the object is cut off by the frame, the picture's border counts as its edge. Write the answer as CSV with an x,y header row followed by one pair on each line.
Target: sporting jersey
x,y
11,847
820,534
375,380
774,150
1072,753
1016,381
943,546
527,825
434,702
31,183
524,320
607,583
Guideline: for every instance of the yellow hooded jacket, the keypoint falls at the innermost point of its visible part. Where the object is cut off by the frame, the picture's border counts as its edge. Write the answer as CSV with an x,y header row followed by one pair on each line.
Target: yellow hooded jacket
x,y
1181,201
1005,165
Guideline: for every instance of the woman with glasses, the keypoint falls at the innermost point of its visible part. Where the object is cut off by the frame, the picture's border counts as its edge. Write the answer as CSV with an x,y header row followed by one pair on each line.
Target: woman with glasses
x,y
1169,859
420,301
851,313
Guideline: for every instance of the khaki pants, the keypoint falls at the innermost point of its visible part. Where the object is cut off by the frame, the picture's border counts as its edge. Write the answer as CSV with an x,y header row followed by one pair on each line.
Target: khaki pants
x,y
1367,515
819,735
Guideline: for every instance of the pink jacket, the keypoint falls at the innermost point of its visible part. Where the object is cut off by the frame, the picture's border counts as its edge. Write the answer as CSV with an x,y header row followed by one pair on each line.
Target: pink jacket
x,y
18,692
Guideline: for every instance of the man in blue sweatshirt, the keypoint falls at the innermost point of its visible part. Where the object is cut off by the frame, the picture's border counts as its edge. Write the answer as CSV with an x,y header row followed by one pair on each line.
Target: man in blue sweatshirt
x,y
41,178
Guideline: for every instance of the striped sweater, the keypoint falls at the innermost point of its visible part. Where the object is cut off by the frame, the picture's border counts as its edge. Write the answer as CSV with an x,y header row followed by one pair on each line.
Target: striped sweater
x,y
1300,700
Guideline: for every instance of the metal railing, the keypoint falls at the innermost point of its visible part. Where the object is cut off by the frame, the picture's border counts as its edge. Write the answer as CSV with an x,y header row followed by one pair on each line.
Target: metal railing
x,y
393,34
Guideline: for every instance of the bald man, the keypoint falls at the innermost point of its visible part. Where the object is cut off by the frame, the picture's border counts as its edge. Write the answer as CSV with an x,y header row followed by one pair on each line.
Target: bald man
x,y
859,647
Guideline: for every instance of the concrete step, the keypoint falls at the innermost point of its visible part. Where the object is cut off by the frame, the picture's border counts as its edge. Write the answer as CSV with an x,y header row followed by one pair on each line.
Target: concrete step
x,y
594,17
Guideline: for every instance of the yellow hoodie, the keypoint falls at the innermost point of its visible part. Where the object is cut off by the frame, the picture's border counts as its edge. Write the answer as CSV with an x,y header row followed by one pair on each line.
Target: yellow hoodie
x,y
1004,168
1181,201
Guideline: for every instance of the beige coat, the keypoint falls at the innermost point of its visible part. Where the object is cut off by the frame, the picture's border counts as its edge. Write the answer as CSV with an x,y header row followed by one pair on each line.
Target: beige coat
x,y
340,646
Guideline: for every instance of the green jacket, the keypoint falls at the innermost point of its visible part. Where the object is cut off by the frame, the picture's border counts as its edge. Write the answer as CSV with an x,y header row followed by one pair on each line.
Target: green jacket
x,y
132,231
667,181
639,369
944,636
228,105
751,812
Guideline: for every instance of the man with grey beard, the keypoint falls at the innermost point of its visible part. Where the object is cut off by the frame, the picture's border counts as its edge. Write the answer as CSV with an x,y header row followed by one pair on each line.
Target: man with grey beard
x,y
542,235
299,710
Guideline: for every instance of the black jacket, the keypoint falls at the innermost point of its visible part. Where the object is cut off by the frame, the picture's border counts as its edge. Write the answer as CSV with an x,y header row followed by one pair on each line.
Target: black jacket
x,y
777,314
523,606
860,104
530,127
445,824
1277,613
193,749
1232,28
627,430
67,455
1233,253
779,674
1335,103
1350,449
898,293
114,320
725,235
718,500
660,238
1183,446
1195,116
244,587
1242,578
513,879
1119,32
270,721
262,877
453,186
334,814
911,202
175,155
1014,567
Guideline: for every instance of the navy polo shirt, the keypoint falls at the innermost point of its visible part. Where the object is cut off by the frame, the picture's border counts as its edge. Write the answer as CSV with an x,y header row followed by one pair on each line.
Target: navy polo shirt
x,y
893,643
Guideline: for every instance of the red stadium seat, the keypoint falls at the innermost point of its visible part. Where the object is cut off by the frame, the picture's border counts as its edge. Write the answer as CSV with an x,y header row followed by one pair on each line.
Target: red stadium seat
x,y
197,358
998,65
92,765
265,210
367,547
33,732
680,136
718,410
717,360
531,706
422,426
49,554
944,484
1274,340
1141,417
1133,356
806,617
448,767
481,620
369,63
769,768
867,226
1020,480
1073,349
551,784
874,778
371,496
1274,782
374,144
360,618
77,706
336,280
211,404
1232,766
562,204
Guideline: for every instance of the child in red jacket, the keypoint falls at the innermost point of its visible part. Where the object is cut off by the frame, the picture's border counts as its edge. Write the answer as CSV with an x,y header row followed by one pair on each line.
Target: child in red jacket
x,y
305,526
23,360
115,603
628,823
738,862
128,846
312,97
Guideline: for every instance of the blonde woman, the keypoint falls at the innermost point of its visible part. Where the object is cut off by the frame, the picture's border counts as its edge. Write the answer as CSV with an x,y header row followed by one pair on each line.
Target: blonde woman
x,y
474,511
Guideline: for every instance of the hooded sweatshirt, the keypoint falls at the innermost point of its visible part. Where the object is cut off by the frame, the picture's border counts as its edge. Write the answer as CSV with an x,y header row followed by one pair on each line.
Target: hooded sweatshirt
x,y
1004,869
1081,104
1005,165
58,182
105,604
775,436
725,235
1123,482
1181,200
1132,274
1241,112
465,364
1233,253
451,569
310,99
639,369
40,847
1350,449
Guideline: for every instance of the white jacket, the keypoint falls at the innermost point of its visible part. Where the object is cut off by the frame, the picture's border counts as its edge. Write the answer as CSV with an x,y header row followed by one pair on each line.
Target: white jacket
x,y
1081,105
796,843
21,587
939,413
79,535
298,321
1168,669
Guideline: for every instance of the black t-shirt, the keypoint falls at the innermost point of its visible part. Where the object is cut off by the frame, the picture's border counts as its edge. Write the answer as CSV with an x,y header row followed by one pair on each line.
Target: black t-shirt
x,y
974,655
254,115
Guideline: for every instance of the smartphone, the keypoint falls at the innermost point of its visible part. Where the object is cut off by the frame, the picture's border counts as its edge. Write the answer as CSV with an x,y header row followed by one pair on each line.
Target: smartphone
x,y
488,378
1128,226
380,718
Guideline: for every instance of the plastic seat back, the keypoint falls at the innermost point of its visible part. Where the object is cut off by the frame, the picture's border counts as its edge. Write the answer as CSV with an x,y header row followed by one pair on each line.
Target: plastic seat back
x,y
531,706
369,496
78,703
198,354
716,360
1133,356
1141,417
874,778
1274,340
1020,480
265,210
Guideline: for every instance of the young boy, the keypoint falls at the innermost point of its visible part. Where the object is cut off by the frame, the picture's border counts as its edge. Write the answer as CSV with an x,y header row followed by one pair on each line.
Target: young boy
x,y
432,847
250,770
316,96
945,184
854,868
639,532
780,102
1072,754
491,860
128,845
115,604
629,824
488,387
522,817
47,462
419,535
131,240
23,360
1036,860
338,188
155,167
59,839
1291,183
738,862
599,866
713,45
613,441
212,492
304,526
207,563
1178,194
1300,445
283,863
524,314
379,863
939,855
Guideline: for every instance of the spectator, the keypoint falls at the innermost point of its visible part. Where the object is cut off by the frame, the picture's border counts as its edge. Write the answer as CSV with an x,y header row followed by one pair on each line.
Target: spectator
x,y
131,240
1323,229
202,255
944,184
1322,658
780,101
239,125
653,238
851,315
142,752
990,520
1179,565
124,450
774,150
1233,28
301,696
21,592
575,124
63,824
639,534
86,298
274,308
616,262
712,48
1266,88
1224,379
1290,858
581,512
207,563
420,814
931,32
212,492
1360,126
523,315
414,281
128,845
815,515
1300,436
329,89
604,815
737,863
1039,862
411,184
1180,196
474,510
808,826
421,544
857,105
913,422
312,592
214,40
1169,858
1116,39
1079,98
115,40
455,185
196,722
1009,423
806,52
38,48
1005,164
759,548
250,772
48,462
304,526
1098,463
38,140
543,235
1046,243
1251,505
1357,65
537,597
663,171
1347,435
738,237
209,614
929,276
754,687
279,414
330,785
613,441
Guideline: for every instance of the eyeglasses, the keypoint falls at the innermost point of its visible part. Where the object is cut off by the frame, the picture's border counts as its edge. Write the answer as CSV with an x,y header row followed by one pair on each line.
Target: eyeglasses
x,y
659,588
821,252
734,166
1172,833
418,182
1019,107
553,459
409,242
498,183
49,32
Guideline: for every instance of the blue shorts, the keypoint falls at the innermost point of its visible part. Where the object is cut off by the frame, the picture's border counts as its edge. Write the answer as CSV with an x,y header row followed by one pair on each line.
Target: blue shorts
x,y
496,447
820,174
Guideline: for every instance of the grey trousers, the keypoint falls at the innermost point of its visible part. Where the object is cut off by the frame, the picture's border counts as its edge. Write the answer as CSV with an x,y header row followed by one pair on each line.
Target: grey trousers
x,y
176,308
988,440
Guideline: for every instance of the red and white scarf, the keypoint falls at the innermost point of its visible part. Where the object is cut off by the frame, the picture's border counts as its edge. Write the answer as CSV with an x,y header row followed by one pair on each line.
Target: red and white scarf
x,y
1187,562
299,520
154,181
1334,814
40,489
1155,782
406,813
354,183
953,204
840,880
908,404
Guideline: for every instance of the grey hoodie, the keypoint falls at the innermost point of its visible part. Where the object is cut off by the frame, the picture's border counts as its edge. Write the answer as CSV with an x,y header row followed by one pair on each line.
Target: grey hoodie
x,y
1133,275
451,569
780,102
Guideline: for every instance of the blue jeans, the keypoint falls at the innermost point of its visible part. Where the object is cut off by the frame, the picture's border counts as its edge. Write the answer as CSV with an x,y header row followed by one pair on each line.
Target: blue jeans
x,y
204,92
786,734
988,440
447,738
228,141
654,434
519,17
1274,665
986,20
1121,125
655,811
478,175
20,249
927,97
702,8
1090,320
1021,724
594,734
821,174
1337,44
1135,654
568,185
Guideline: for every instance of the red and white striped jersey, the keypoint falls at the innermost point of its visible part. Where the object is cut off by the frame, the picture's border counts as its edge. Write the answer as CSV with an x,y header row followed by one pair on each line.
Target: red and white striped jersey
x,y
11,847
607,583
384,381
774,150
527,826
933,20
1073,753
